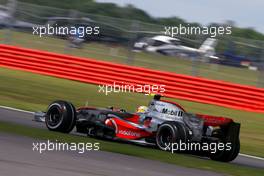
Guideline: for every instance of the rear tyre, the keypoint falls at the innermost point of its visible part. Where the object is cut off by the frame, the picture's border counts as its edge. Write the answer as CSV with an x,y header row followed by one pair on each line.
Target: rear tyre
x,y
169,133
60,116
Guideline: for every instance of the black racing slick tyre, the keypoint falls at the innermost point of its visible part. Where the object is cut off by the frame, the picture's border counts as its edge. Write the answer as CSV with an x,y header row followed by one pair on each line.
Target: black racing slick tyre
x,y
169,133
60,116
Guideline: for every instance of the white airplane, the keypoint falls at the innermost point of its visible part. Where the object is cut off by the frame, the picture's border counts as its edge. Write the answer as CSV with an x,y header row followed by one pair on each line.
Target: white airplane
x,y
172,46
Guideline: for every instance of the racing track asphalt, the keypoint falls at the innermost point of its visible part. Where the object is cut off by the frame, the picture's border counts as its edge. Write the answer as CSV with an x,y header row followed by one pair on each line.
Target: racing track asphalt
x,y
16,156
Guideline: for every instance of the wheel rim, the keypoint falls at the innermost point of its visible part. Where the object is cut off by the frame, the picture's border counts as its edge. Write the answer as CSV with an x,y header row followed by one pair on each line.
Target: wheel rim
x,y
165,137
54,117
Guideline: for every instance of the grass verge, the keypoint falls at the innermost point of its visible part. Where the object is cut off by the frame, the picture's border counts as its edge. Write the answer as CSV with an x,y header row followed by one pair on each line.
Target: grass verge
x,y
148,153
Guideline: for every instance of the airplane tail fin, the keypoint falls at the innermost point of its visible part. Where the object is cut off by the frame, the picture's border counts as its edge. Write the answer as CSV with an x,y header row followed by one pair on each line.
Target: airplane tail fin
x,y
208,46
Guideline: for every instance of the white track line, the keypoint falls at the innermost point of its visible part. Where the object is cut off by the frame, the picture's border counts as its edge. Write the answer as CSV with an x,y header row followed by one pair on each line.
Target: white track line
x,y
30,112
250,156
14,109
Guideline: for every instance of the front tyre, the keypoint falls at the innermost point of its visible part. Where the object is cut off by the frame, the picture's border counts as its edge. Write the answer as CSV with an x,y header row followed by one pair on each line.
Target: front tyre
x,y
60,116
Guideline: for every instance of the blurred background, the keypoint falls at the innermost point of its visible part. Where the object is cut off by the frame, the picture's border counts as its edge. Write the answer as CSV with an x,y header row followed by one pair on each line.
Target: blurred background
x,y
125,33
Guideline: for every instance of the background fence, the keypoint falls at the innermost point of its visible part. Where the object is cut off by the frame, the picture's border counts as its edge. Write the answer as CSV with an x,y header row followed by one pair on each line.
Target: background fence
x,y
104,73
119,35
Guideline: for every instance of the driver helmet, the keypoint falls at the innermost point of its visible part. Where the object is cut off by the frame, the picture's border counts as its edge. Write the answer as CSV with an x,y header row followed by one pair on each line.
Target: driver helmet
x,y
142,109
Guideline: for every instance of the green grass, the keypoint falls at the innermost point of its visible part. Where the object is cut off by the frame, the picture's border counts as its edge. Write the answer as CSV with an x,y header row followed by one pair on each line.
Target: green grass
x,y
120,54
34,92
128,149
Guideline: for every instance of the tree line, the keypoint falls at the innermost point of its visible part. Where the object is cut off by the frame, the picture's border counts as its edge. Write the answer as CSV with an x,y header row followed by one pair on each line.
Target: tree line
x,y
133,13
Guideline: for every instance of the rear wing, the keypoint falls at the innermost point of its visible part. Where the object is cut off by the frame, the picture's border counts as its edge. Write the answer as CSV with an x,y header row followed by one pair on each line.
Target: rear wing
x,y
210,120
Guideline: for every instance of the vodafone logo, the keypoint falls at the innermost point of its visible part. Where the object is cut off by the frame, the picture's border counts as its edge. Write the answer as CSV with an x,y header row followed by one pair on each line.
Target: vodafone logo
x,y
129,133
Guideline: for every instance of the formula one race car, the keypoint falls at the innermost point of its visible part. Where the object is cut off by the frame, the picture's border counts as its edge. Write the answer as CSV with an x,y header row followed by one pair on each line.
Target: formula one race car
x,y
163,123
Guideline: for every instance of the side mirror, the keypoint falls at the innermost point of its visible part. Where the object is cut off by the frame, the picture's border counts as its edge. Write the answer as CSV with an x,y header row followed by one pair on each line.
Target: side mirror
x,y
157,97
